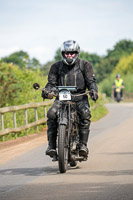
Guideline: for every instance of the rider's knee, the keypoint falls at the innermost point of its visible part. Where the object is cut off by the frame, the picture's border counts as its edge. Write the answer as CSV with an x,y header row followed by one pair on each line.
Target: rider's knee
x,y
86,115
85,119
51,114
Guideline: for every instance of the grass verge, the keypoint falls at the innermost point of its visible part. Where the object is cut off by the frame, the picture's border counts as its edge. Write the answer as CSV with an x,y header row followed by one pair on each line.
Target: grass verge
x,y
98,110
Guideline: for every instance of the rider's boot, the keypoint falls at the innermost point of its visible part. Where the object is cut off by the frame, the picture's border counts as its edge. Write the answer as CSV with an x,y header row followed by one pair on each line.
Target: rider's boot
x,y
51,150
51,134
83,138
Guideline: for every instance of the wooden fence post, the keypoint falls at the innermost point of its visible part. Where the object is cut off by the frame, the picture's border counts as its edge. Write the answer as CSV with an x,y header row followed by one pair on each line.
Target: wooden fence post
x,y
14,122
2,125
36,117
2,121
26,119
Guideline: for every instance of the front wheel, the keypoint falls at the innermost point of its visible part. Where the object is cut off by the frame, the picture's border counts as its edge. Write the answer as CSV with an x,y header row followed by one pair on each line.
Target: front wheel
x,y
63,149
118,97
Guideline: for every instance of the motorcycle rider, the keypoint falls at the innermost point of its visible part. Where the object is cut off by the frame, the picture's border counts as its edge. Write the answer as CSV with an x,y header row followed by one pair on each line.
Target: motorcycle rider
x,y
68,72
118,83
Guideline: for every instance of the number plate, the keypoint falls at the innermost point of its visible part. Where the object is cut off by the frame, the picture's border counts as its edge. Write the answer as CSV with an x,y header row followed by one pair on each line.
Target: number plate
x,y
64,96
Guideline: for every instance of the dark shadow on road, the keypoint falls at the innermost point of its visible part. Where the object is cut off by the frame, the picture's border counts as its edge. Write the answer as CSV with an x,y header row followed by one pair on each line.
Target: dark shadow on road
x,y
54,171
40,171
30,171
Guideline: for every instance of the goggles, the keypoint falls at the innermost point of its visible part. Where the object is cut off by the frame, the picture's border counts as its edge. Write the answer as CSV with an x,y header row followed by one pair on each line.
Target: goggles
x,y
71,53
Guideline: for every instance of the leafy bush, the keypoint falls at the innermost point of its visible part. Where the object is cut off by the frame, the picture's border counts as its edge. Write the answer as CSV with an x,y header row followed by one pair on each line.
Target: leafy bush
x,y
16,89
98,110
125,65
128,80
106,86
16,85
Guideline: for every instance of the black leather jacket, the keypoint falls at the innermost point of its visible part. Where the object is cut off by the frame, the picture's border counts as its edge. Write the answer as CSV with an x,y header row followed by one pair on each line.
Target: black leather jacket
x,y
61,74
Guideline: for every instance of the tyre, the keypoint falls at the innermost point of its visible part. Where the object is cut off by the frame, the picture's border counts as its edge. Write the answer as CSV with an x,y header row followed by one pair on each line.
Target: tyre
x,y
63,149
118,97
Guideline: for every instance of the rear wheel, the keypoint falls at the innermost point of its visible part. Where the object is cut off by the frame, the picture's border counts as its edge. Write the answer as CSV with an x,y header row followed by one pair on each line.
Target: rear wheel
x,y
63,149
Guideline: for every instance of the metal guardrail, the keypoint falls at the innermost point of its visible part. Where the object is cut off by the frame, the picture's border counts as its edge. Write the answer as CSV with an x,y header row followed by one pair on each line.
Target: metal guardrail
x,y
24,107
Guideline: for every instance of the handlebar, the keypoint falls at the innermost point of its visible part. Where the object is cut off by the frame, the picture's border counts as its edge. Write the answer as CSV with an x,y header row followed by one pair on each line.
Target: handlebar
x,y
78,95
36,86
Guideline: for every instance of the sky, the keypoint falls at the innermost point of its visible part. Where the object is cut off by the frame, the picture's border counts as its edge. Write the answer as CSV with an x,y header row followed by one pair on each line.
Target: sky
x,y
39,27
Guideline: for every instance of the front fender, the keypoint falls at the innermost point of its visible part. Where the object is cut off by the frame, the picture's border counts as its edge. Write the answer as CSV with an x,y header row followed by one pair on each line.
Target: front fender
x,y
63,121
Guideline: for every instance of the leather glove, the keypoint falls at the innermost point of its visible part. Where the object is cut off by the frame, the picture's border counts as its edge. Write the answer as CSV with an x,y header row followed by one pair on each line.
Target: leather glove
x,y
54,90
47,94
44,94
94,95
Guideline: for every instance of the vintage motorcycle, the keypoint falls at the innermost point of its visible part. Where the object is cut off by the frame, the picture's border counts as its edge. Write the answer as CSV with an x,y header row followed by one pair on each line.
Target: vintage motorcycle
x,y
67,132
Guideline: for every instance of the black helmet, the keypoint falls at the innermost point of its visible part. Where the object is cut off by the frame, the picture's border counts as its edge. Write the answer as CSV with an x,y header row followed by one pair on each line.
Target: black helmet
x,y
70,46
117,75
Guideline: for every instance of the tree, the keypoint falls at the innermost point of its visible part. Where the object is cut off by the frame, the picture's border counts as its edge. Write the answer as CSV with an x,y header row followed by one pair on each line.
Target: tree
x,y
104,68
19,58
92,58
125,65
22,59
33,64
45,68
110,61
58,56
122,48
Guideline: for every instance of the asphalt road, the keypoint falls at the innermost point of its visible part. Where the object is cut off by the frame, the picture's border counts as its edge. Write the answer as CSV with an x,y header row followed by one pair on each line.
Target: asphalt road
x,y
107,175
